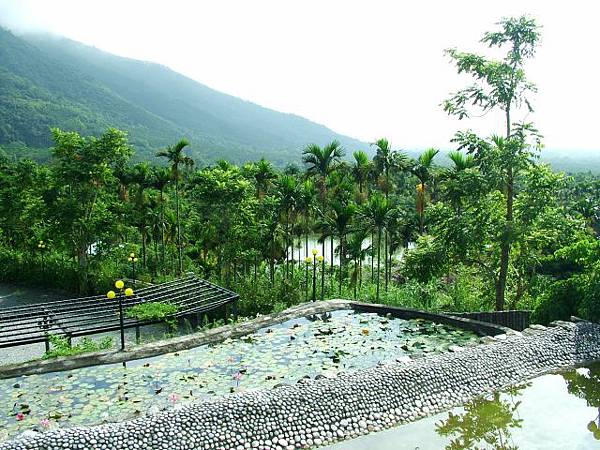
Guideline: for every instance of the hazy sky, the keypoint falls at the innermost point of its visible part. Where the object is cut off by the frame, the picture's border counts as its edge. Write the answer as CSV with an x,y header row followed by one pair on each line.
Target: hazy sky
x,y
364,68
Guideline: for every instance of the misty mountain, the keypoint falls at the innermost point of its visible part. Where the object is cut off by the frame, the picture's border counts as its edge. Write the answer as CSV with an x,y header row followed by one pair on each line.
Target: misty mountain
x,y
46,81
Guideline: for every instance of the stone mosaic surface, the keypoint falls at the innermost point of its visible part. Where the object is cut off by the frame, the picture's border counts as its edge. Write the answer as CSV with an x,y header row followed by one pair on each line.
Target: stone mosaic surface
x,y
316,412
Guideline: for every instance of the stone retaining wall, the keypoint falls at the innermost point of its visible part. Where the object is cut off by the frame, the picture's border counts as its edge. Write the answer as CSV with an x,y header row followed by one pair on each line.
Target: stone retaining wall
x,y
317,412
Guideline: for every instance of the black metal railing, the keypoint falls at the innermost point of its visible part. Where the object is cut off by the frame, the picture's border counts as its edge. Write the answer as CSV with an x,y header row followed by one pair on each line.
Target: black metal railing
x,y
84,316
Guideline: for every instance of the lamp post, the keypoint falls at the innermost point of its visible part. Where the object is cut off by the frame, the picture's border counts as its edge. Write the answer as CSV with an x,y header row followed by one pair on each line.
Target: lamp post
x,y
132,259
308,260
128,292
314,292
42,247
321,259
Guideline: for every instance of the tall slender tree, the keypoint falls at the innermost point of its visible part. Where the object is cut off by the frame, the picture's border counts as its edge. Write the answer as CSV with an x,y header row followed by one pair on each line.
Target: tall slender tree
x,y
320,163
375,214
386,161
360,171
162,177
178,160
422,169
499,84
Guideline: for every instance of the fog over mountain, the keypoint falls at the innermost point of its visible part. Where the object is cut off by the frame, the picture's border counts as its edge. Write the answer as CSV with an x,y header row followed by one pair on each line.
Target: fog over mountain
x,y
363,69
55,82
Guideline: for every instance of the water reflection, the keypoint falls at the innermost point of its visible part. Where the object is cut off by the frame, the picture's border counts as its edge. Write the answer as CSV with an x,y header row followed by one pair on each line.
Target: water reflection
x,y
585,383
489,423
485,421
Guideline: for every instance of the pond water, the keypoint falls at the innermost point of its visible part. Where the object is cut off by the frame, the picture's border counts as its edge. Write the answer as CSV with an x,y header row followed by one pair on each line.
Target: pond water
x,y
297,251
552,412
13,295
285,353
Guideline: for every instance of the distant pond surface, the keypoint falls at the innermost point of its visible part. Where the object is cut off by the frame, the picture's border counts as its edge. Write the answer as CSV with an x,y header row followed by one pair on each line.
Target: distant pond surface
x,y
15,295
552,412
323,345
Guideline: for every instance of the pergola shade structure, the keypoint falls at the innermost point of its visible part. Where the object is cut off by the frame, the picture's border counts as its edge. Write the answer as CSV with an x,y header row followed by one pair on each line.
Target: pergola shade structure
x,y
84,316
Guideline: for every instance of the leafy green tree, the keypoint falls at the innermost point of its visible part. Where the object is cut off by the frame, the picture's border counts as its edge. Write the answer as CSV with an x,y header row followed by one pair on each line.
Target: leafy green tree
x,y
84,167
288,192
500,84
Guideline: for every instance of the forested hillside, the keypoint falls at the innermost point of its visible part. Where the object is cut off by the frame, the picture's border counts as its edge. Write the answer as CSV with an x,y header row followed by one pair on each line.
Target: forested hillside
x,y
53,82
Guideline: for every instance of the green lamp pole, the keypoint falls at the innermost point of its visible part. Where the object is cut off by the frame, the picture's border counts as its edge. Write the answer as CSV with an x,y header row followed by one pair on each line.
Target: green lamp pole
x,y
122,293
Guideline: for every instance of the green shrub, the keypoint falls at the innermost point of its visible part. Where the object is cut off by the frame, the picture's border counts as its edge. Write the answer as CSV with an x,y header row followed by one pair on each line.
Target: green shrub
x,y
62,347
152,311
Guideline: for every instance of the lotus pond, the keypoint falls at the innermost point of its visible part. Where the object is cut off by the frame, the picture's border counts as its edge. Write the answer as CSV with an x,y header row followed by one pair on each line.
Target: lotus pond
x,y
305,347
553,412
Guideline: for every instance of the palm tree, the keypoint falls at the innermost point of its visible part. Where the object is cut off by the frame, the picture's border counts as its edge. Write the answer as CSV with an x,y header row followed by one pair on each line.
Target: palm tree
x,y
341,217
288,195
375,214
385,161
453,187
162,177
357,253
142,177
177,159
263,177
321,162
421,168
360,170
305,206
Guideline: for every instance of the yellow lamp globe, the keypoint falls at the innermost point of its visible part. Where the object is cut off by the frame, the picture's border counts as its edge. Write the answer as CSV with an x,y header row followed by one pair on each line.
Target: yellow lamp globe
x,y
308,260
320,258
315,251
110,295
132,255
128,292
119,284
135,260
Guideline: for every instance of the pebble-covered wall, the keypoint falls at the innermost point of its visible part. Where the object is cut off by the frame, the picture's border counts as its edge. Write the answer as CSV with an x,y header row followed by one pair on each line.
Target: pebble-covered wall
x,y
316,412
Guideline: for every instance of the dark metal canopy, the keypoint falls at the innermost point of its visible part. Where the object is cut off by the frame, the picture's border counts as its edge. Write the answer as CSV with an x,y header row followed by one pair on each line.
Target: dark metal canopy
x,y
30,324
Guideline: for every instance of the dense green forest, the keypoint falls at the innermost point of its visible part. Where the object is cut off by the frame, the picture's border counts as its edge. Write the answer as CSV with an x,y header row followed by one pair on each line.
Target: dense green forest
x,y
46,81
495,228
